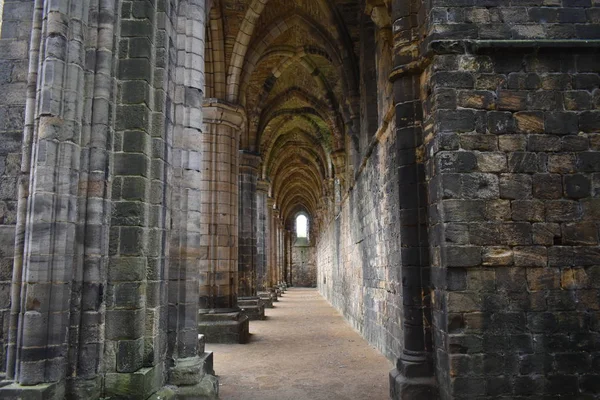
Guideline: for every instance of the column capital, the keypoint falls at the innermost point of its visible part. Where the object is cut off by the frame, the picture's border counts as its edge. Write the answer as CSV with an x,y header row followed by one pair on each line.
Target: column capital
x,y
219,112
270,202
262,186
249,161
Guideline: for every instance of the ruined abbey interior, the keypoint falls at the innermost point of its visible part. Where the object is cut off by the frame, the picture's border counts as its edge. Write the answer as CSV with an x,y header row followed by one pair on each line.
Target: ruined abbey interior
x,y
169,167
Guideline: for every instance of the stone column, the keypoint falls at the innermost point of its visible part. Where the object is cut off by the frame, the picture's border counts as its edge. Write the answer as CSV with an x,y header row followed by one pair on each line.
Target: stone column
x,y
290,247
220,319
286,265
247,237
413,377
271,248
281,255
47,244
262,239
275,250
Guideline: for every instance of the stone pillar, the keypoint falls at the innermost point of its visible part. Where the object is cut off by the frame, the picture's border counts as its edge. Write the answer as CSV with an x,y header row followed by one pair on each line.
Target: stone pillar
x,y
290,248
247,230
275,250
220,318
281,256
247,237
286,260
413,377
46,245
190,367
262,190
271,248
262,241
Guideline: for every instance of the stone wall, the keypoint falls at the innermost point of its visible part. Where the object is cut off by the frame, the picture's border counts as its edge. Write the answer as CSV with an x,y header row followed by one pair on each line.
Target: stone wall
x,y
14,65
358,240
304,266
514,208
511,126
358,253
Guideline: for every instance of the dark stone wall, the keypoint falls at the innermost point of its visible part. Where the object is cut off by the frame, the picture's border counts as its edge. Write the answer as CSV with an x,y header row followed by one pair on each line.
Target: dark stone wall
x,y
517,20
14,65
511,117
514,212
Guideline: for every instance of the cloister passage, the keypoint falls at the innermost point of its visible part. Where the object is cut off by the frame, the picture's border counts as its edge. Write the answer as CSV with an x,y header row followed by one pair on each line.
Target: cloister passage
x,y
304,350
430,167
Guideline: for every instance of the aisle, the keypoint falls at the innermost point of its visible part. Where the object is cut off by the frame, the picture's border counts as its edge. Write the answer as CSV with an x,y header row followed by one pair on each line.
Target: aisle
x,y
304,351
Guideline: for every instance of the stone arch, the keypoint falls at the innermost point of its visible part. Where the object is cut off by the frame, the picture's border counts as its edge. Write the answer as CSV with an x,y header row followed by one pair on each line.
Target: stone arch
x,y
272,32
215,53
241,47
273,155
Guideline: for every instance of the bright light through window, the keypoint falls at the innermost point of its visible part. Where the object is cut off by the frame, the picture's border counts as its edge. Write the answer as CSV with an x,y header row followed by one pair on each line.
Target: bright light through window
x,y
302,226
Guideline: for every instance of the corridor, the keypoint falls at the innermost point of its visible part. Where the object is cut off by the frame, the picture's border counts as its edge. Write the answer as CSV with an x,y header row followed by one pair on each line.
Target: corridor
x,y
304,351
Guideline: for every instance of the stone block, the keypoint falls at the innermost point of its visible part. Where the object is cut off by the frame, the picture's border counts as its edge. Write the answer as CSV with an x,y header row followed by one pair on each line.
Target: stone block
x,y
253,307
190,371
46,391
224,327
134,386
130,355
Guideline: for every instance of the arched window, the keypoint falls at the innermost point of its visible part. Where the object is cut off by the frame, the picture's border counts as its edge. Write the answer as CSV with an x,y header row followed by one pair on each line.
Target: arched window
x,y
302,227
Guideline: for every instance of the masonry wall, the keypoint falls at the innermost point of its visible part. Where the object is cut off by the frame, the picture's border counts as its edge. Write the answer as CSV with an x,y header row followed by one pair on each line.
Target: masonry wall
x,y
358,242
513,186
358,253
515,213
304,265
14,53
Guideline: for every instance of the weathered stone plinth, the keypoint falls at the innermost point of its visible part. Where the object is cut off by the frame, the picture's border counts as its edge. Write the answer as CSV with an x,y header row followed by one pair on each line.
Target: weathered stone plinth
x,y
192,377
403,388
266,298
232,327
46,391
137,385
253,307
275,293
413,379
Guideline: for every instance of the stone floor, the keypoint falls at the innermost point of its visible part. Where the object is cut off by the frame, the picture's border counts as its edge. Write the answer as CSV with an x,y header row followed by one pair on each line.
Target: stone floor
x,y
304,351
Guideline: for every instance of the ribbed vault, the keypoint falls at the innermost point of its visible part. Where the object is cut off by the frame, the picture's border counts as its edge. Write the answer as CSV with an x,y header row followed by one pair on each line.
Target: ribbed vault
x,y
290,65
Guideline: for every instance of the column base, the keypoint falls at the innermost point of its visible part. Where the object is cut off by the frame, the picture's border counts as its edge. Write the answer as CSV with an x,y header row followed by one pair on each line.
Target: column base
x,y
266,298
193,378
275,293
253,307
43,391
230,327
413,378
138,385
403,388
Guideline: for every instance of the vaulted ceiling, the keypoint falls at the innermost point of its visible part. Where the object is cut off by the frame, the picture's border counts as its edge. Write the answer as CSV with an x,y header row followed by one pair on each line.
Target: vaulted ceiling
x,y
292,66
